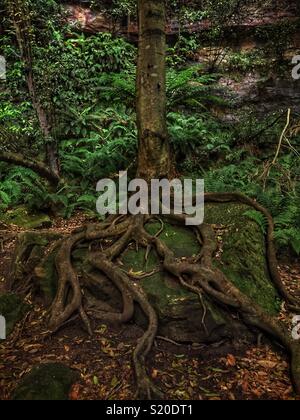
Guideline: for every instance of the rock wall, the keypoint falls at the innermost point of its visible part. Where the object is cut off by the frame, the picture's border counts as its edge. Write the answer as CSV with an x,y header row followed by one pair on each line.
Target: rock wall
x,y
257,14
267,87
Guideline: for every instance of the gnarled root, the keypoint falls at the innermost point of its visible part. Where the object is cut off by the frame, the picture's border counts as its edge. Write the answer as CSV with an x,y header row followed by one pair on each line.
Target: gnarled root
x,y
146,389
198,275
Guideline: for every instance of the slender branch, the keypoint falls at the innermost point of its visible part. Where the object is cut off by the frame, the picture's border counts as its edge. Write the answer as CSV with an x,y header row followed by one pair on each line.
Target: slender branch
x,y
282,136
20,17
39,167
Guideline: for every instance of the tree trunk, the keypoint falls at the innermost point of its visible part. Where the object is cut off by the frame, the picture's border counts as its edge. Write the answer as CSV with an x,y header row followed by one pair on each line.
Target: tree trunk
x,y
20,17
154,158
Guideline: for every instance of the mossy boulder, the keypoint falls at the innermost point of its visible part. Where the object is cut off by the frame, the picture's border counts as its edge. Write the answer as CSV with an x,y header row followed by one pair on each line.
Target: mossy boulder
x,y
180,312
13,309
21,217
244,259
46,382
183,316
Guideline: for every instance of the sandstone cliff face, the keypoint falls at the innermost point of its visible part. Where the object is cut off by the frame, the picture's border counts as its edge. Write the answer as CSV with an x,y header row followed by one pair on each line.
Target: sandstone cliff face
x,y
256,14
267,90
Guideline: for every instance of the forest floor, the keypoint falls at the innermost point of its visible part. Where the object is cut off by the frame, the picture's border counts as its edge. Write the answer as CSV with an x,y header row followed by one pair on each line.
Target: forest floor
x,y
225,370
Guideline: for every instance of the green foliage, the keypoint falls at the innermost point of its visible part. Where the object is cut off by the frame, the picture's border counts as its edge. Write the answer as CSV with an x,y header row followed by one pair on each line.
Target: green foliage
x,y
197,137
106,151
17,128
117,9
281,195
276,38
259,218
288,223
78,68
87,85
22,186
246,61
192,88
184,50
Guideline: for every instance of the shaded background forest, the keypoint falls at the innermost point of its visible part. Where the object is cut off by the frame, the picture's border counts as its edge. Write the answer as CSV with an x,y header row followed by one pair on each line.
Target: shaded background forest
x,y
229,90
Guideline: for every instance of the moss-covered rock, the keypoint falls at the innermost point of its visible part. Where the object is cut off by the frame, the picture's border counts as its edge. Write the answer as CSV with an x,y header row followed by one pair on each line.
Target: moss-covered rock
x,y
180,239
20,216
32,257
244,258
13,309
47,382
180,311
183,317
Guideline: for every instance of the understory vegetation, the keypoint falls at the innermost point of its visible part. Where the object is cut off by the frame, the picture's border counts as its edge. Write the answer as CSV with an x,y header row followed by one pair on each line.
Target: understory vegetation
x,y
87,84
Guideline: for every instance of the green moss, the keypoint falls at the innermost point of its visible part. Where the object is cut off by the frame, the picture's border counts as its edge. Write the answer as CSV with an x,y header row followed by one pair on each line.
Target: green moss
x,y
13,309
21,217
244,258
181,240
243,261
178,309
170,296
180,312
48,382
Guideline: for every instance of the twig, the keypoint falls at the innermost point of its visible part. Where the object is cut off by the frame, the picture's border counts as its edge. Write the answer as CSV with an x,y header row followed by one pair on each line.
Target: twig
x,y
168,340
282,136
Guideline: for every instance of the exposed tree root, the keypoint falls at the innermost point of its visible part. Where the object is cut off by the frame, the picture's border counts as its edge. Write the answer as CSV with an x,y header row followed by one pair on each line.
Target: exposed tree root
x,y
271,251
39,167
198,275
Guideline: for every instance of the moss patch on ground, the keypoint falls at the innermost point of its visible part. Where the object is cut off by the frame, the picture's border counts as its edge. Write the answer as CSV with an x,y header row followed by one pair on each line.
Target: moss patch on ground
x,y
21,217
47,382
